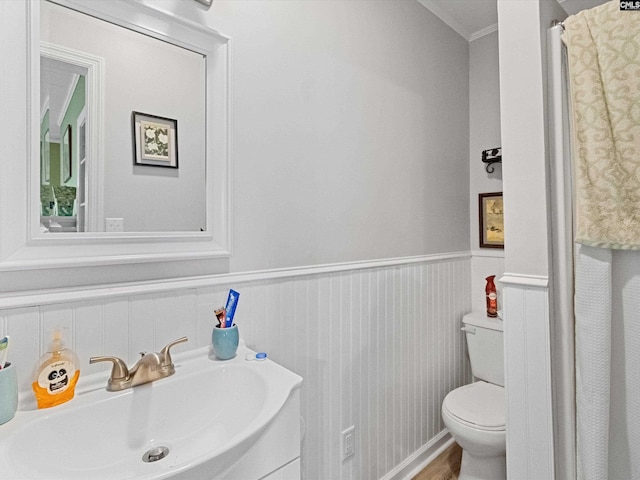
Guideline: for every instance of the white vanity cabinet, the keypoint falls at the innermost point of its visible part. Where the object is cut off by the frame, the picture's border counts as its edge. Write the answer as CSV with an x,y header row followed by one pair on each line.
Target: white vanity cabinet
x,y
290,471
276,455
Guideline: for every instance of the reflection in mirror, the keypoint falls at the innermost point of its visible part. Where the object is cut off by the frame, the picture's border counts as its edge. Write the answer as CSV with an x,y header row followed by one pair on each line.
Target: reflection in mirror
x,y
62,117
90,180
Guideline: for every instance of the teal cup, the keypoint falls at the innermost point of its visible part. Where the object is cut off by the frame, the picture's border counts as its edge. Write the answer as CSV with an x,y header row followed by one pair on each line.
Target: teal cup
x,y
225,342
8,393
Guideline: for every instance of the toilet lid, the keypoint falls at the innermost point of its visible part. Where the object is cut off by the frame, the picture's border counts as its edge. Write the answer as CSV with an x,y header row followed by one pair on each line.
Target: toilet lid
x,y
478,404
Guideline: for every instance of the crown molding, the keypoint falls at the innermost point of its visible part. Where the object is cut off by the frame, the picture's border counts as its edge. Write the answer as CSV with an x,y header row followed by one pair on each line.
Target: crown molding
x,y
439,12
483,32
434,8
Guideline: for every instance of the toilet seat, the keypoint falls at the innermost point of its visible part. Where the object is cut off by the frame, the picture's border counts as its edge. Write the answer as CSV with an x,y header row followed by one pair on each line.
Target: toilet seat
x,y
479,405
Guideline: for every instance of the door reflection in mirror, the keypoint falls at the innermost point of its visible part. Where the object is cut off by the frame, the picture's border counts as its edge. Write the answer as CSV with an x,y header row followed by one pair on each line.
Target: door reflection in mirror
x,y
62,115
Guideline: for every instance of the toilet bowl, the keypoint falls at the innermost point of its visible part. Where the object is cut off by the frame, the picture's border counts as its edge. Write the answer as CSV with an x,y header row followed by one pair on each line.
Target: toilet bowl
x,y
474,414
475,417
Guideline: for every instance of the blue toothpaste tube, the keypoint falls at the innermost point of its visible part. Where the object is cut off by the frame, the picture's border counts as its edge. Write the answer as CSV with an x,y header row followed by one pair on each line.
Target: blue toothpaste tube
x,y
232,303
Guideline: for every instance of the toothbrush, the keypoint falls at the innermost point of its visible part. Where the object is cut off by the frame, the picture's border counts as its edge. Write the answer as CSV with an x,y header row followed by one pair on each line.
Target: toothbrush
x,y
221,315
4,349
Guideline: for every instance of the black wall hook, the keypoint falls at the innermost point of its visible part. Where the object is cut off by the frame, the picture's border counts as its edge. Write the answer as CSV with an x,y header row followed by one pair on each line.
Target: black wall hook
x,y
491,156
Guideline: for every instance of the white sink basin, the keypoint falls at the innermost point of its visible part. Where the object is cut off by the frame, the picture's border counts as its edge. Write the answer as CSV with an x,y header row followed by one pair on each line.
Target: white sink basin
x,y
207,415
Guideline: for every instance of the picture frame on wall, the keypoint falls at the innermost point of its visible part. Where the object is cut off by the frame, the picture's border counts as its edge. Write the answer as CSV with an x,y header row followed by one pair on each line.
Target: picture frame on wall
x,y
491,218
155,140
67,155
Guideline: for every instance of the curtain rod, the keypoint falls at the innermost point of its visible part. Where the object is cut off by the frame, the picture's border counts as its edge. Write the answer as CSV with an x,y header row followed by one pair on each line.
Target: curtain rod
x,y
556,23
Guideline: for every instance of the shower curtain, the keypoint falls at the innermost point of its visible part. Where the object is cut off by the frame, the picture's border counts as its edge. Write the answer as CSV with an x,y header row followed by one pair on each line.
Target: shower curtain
x,y
603,47
608,363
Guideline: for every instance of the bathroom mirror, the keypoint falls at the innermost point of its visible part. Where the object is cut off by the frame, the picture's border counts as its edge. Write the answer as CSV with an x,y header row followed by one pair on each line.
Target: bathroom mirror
x,y
128,136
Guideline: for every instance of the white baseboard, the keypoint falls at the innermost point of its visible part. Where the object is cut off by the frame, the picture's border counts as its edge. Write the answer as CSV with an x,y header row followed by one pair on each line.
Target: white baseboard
x,y
423,457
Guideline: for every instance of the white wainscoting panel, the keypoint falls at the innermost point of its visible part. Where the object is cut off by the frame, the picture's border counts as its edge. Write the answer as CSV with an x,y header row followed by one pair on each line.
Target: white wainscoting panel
x,y
378,346
530,454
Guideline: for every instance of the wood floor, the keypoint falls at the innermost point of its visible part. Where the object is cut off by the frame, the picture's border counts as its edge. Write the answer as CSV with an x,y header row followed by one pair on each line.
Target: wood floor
x,y
445,467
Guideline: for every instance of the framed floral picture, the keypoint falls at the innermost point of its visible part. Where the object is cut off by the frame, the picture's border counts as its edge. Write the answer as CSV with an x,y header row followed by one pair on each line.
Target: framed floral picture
x,y
155,140
491,220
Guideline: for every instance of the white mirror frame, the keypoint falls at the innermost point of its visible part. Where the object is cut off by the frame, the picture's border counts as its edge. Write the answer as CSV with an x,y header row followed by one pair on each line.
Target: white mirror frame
x,y
27,248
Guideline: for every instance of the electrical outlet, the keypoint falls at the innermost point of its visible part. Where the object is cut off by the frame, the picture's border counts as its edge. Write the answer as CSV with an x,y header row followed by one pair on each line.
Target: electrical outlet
x,y
348,442
114,224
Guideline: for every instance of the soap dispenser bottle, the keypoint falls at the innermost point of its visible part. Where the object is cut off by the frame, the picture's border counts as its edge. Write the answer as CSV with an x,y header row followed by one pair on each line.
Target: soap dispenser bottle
x,y
492,297
56,374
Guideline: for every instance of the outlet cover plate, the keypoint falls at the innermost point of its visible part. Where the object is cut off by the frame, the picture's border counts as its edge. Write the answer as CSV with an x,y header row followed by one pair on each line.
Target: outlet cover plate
x,y
114,224
348,443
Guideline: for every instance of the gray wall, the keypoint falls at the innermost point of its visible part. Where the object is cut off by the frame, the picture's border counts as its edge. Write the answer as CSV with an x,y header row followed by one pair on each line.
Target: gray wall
x,y
350,130
484,133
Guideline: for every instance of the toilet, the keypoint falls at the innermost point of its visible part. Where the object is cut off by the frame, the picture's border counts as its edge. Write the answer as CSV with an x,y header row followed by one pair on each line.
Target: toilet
x,y
474,414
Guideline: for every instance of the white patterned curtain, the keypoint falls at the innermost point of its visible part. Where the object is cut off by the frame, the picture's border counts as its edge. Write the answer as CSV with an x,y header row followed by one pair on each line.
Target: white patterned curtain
x,y
603,47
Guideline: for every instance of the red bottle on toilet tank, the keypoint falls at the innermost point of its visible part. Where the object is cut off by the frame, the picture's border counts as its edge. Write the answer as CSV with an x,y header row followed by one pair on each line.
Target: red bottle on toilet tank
x,y
492,297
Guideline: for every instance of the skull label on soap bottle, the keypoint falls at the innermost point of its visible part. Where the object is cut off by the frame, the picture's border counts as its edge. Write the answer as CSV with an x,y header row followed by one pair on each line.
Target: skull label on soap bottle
x,y
55,378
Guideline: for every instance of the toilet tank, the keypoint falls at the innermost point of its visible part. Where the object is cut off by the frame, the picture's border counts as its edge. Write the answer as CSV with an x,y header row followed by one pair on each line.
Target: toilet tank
x,y
486,350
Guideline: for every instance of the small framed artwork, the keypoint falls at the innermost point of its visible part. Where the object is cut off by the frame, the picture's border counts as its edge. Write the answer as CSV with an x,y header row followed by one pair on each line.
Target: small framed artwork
x,y
67,155
491,220
155,140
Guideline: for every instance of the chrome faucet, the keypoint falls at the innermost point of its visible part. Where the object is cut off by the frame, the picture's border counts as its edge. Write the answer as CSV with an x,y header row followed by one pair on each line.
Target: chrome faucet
x,y
152,366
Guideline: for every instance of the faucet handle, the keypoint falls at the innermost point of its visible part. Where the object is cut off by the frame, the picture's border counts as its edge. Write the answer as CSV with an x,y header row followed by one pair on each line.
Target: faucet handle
x,y
166,355
119,370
